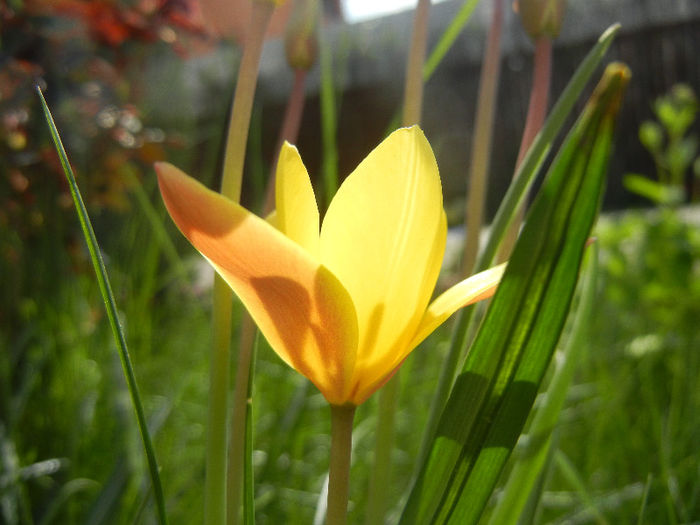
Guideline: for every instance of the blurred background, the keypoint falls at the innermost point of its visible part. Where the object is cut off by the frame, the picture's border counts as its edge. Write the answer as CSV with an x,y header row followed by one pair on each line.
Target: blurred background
x,y
131,82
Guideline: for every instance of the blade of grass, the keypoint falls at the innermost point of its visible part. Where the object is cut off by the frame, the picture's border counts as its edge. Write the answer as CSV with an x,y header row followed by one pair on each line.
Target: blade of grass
x,y
248,474
568,470
516,193
448,37
111,308
531,458
512,350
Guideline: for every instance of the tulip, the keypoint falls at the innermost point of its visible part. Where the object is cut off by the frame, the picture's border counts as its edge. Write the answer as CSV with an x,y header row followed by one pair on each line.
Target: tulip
x,y
346,303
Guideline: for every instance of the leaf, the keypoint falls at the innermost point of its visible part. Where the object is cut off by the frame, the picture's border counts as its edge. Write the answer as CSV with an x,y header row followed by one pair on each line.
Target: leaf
x,y
532,455
516,193
654,191
111,307
497,386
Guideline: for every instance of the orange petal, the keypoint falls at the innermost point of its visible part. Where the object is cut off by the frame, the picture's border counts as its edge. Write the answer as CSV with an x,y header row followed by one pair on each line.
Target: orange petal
x,y
301,308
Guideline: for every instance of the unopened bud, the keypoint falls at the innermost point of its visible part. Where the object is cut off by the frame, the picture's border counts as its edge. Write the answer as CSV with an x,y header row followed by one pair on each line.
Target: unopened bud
x,y
301,39
541,17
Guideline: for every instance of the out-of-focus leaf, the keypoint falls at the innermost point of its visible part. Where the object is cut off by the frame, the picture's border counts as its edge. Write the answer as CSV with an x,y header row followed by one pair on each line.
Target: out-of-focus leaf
x,y
653,190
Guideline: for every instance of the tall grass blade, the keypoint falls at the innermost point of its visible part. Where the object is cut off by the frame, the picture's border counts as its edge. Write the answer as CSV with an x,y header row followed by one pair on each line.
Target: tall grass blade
x,y
111,308
516,193
448,37
532,455
248,474
498,383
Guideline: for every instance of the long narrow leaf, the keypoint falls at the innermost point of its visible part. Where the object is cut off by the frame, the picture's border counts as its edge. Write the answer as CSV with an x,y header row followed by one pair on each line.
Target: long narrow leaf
x,y
531,457
448,37
516,193
111,307
498,383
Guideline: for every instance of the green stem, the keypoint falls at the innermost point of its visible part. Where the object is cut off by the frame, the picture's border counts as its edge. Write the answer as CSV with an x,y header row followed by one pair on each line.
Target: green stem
x,y
379,482
339,472
215,487
236,452
483,133
237,135
215,478
328,122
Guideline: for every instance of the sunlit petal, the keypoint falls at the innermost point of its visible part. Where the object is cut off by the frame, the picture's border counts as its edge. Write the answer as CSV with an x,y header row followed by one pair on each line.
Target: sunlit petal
x,y
382,236
375,373
297,211
301,308
475,288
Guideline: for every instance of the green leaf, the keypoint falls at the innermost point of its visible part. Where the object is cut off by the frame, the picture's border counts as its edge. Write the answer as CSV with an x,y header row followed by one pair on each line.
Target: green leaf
x,y
497,386
531,456
111,307
516,193
448,37
653,190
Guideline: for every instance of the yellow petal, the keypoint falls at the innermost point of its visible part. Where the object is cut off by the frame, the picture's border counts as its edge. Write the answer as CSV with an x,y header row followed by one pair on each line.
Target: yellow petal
x,y
475,288
383,237
369,379
297,211
299,305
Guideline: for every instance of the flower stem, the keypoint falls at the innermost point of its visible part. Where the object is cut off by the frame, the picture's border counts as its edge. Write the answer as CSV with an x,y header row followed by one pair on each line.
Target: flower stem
x,y
413,90
328,121
536,112
237,135
380,478
215,487
481,144
339,473
239,405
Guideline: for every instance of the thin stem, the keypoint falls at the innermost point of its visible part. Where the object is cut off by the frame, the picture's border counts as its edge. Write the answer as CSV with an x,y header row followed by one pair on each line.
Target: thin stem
x,y
288,132
536,112
483,133
215,489
413,90
215,478
328,121
237,135
379,482
239,402
339,472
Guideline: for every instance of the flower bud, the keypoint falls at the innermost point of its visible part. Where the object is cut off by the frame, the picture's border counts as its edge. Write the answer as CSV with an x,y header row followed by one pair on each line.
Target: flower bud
x,y
541,17
301,38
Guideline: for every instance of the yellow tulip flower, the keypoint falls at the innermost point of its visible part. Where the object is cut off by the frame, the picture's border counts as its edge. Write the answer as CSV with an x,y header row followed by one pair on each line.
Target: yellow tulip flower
x,y
343,304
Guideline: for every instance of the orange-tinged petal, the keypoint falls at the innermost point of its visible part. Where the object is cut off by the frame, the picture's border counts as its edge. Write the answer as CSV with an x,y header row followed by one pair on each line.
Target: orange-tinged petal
x,y
297,211
471,290
301,308
379,238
